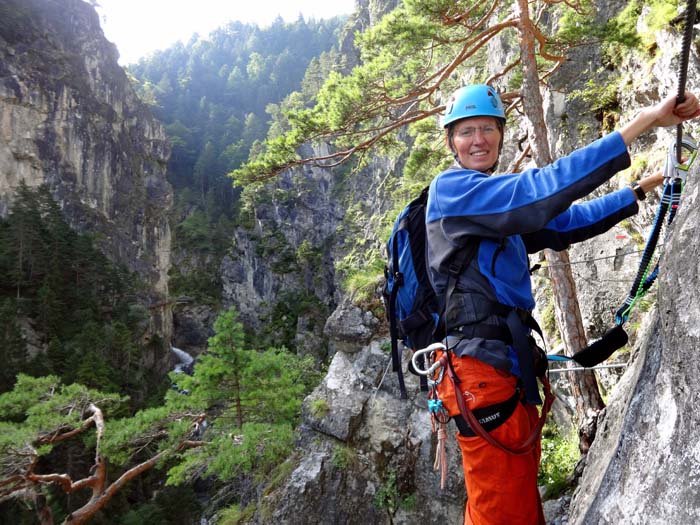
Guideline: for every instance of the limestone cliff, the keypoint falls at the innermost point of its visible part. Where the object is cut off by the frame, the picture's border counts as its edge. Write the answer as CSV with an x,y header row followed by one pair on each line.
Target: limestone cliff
x,y
69,119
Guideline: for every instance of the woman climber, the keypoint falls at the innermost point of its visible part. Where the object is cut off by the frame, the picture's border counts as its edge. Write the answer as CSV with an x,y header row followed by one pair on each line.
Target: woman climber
x,y
488,312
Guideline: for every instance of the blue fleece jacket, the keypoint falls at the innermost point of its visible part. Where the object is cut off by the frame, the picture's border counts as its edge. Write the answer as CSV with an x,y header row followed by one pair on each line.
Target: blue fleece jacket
x,y
513,215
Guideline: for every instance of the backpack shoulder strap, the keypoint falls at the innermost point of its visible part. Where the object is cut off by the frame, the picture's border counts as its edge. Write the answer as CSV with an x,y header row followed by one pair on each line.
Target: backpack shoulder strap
x,y
454,269
393,328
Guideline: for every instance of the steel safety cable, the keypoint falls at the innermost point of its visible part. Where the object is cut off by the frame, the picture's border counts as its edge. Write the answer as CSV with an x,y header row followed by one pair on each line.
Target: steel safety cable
x,y
675,174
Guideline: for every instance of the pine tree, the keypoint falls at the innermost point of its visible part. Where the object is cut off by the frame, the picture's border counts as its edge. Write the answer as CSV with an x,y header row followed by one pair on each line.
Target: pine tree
x,y
256,397
13,350
41,415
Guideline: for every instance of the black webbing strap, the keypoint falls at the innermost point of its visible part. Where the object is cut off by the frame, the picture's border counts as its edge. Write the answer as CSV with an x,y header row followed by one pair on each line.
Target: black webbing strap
x,y
453,270
393,328
523,349
484,331
490,417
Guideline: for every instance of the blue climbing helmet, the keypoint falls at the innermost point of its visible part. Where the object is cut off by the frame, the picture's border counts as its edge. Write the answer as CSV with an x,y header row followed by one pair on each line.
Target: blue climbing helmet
x,y
477,100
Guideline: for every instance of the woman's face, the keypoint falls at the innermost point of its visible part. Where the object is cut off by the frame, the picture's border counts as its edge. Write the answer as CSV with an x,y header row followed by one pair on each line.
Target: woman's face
x,y
476,141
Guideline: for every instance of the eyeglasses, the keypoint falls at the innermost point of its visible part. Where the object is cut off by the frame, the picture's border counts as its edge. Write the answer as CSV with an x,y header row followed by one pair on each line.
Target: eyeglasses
x,y
470,131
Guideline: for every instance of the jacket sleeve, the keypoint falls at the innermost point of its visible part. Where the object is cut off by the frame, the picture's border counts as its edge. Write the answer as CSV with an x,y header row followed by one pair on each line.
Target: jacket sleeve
x,y
583,221
467,202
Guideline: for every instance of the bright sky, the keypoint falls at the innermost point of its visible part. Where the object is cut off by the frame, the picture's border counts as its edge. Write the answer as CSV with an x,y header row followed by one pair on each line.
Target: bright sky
x,y
139,27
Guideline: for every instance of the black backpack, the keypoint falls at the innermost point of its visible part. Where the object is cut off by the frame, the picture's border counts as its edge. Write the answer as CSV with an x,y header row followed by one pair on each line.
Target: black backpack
x,y
413,309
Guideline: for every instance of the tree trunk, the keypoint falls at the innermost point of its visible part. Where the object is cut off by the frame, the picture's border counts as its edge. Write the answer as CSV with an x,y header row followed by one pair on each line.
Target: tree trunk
x,y
584,385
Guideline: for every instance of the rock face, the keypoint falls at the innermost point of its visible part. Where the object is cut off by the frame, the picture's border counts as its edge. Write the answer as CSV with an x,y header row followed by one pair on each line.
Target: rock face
x,y
366,456
280,270
644,466
69,119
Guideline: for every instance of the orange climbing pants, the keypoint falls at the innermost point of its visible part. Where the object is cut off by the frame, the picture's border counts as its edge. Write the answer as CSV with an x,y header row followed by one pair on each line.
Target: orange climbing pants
x,y
501,487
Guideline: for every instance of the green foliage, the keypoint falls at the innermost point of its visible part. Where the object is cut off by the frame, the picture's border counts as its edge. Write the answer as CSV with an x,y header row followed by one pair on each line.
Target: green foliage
x,y
235,515
427,156
319,408
646,302
659,15
257,397
274,248
253,399
308,256
254,447
148,513
361,282
202,283
13,350
386,496
548,317
176,505
397,53
212,95
362,267
618,35
49,427
559,457
603,100
38,407
344,457
280,474
81,304
280,324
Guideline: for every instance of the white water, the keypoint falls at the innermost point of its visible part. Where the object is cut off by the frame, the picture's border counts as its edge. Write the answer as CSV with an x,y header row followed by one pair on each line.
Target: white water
x,y
185,359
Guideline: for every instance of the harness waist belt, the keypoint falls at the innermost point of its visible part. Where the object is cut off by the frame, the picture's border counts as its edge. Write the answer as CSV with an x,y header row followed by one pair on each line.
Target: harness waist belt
x,y
490,417
485,331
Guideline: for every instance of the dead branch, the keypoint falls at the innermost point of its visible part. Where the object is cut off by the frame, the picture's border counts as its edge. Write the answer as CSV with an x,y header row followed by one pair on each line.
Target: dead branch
x,y
503,72
516,165
23,486
97,502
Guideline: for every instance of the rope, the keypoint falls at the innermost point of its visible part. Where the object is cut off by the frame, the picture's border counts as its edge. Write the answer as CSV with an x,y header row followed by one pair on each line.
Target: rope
x,y
441,453
582,368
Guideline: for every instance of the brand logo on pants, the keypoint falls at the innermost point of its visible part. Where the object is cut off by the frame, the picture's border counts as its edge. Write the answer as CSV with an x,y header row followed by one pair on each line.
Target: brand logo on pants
x,y
468,396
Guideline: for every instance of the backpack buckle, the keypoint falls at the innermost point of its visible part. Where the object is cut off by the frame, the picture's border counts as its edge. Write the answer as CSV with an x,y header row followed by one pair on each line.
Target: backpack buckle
x,y
454,269
398,278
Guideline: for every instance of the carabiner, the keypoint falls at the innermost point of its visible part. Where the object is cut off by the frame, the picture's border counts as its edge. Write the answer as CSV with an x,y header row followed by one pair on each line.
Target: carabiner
x,y
679,170
428,350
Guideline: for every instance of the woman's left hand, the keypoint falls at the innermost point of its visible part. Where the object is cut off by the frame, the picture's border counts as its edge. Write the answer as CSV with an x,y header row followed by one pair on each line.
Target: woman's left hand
x,y
667,113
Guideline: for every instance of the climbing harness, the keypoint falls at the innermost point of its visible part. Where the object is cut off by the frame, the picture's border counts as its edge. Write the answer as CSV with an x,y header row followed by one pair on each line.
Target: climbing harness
x,y
436,366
